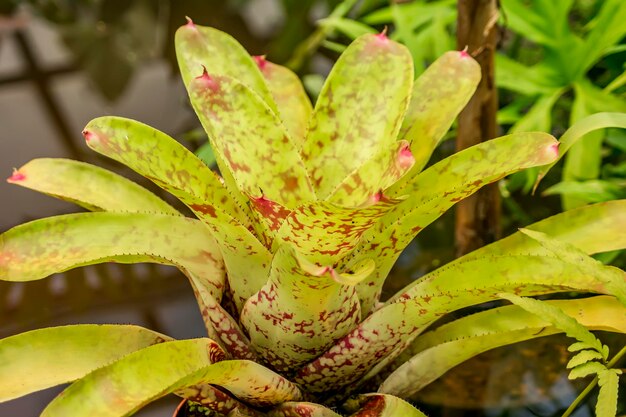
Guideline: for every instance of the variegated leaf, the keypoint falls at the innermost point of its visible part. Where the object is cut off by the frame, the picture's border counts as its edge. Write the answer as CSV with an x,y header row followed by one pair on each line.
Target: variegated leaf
x,y
43,247
171,166
43,358
359,111
166,162
302,309
217,400
375,175
292,101
384,405
250,139
89,186
437,189
128,384
394,326
325,232
199,47
439,351
439,95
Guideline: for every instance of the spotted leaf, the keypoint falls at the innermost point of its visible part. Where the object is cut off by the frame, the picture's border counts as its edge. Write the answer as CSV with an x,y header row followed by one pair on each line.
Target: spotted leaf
x,y
438,351
250,140
89,186
325,232
199,47
359,110
437,189
301,310
128,384
394,326
294,106
43,358
384,405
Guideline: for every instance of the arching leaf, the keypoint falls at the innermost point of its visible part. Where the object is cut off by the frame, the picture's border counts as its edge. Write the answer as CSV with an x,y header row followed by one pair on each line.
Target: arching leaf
x,y
88,186
43,358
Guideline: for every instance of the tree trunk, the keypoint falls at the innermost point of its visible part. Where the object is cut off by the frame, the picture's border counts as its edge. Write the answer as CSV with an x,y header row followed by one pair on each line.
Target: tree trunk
x,y
478,217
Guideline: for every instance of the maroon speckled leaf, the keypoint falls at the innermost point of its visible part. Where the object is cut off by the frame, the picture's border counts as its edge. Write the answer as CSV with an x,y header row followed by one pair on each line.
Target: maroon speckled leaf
x,y
301,409
250,140
301,310
325,232
359,110
378,173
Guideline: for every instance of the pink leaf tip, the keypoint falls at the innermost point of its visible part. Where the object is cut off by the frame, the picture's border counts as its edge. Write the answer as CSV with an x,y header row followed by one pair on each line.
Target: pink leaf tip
x,y
554,148
463,53
16,176
190,23
88,135
207,79
405,157
260,61
382,36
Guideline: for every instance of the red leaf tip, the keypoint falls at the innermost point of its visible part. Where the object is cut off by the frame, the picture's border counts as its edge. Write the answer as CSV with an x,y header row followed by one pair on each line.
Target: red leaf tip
x,y
190,23
260,61
463,53
554,148
16,176
382,36
88,135
207,79
405,157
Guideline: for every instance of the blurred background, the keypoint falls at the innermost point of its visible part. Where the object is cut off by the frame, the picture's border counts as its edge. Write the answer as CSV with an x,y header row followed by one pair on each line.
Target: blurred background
x,y
64,62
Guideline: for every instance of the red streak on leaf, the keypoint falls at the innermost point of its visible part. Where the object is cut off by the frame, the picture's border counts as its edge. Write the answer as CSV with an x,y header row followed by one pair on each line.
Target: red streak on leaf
x,y
372,408
204,208
405,157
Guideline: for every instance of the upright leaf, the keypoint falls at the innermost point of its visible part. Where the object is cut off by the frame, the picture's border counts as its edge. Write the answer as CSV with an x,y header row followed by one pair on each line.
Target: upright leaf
x,y
359,110
199,47
294,106
270,164
439,95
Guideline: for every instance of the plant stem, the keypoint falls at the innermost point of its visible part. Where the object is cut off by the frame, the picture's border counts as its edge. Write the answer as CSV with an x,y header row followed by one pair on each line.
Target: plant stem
x,y
592,384
310,44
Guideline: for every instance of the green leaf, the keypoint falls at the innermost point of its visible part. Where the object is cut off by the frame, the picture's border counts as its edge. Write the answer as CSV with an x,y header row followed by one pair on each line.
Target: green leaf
x,y
527,20
301,310
436,352
229,111
586,369
580,129
43,358
393,326
133,381
199,47
559,319
591,191
539,116
592,229
383,405
292,101
371,80
438,96
437,189
529,81
43,247
583,357
608,381
89,186
351,28
206,154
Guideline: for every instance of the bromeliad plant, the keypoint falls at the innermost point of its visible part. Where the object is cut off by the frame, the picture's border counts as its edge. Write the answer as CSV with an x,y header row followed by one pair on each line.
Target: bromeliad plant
x,y
293,242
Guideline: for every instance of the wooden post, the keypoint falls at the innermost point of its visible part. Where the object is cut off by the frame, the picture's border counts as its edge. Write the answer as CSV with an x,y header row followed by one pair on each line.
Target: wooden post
x,y
478,217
